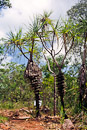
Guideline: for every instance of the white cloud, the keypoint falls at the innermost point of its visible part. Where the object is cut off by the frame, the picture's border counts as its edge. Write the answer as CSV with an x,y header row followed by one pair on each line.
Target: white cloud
x,y
22,10
30,7
2,34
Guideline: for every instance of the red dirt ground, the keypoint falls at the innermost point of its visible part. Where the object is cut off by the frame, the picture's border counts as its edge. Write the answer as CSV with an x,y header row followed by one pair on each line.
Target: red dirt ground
x,y
22,121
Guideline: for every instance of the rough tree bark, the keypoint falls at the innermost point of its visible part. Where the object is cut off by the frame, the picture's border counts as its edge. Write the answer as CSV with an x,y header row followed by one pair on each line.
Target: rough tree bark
x,y
82,74
34,74
61,86
54,90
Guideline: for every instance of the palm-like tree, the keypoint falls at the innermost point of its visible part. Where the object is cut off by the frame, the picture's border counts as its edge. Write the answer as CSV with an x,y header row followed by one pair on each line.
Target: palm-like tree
x,y
26,44
32,70
51,32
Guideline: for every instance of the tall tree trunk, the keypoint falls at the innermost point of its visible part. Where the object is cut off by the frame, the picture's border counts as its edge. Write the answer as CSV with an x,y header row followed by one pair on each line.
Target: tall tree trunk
x,y
57,97
31,53
84,53
82,79
54,95
37,104
61,85
82,74
54,90
36,85
34,74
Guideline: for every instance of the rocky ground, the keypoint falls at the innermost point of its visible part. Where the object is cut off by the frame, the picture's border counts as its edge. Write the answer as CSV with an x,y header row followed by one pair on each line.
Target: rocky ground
x,y
23,120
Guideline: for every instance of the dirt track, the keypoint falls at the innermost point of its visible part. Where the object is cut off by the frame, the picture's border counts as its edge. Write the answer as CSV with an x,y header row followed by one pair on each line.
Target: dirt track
x,y
23,121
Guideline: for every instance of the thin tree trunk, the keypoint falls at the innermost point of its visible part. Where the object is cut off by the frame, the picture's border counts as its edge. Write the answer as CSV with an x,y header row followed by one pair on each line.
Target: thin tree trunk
x,y
36,86
54,95
54,90
37,104
83,74
84,53
57,102
31,53
61,85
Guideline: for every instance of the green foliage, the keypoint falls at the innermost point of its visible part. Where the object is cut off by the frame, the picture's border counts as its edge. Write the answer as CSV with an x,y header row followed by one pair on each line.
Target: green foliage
x,y
4,4
62,116
3,119
13,87
26,43
78,14
47,92
79,11
72,90
6,105
1,49
1,52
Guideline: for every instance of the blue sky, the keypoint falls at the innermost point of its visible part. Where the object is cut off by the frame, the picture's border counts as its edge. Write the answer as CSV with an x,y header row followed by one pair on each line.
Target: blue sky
x,y
24,10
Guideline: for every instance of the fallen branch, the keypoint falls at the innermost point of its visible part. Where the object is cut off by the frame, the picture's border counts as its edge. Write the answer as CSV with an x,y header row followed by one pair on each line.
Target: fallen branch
x,y
20,118
27,111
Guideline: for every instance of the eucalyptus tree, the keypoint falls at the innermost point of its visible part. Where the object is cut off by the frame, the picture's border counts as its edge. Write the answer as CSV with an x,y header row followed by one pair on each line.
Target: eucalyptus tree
x,y
1,53
52,34
28,46
78,14
4,4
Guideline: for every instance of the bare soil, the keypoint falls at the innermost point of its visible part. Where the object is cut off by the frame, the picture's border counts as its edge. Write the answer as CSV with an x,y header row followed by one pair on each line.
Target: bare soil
x,y
24,119
21,120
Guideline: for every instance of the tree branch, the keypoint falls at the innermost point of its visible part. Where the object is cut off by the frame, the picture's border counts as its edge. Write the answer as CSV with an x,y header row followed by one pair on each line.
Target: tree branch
x,y
49,65
53,39
44,45
22,52
68,51
59,51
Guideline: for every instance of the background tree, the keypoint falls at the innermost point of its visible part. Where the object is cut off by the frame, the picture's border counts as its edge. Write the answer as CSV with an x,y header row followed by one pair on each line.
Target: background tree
x,y
14,89
78,14
1,52
4,4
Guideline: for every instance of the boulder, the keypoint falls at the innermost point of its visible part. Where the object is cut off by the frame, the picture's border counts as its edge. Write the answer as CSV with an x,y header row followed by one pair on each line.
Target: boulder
x,y
68,125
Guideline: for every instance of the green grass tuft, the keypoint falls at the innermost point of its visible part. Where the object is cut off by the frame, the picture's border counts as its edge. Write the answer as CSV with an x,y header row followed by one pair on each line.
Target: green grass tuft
x,y
3,119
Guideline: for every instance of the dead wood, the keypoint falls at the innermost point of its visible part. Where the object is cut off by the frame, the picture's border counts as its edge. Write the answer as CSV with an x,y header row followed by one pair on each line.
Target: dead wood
x,y
27,111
